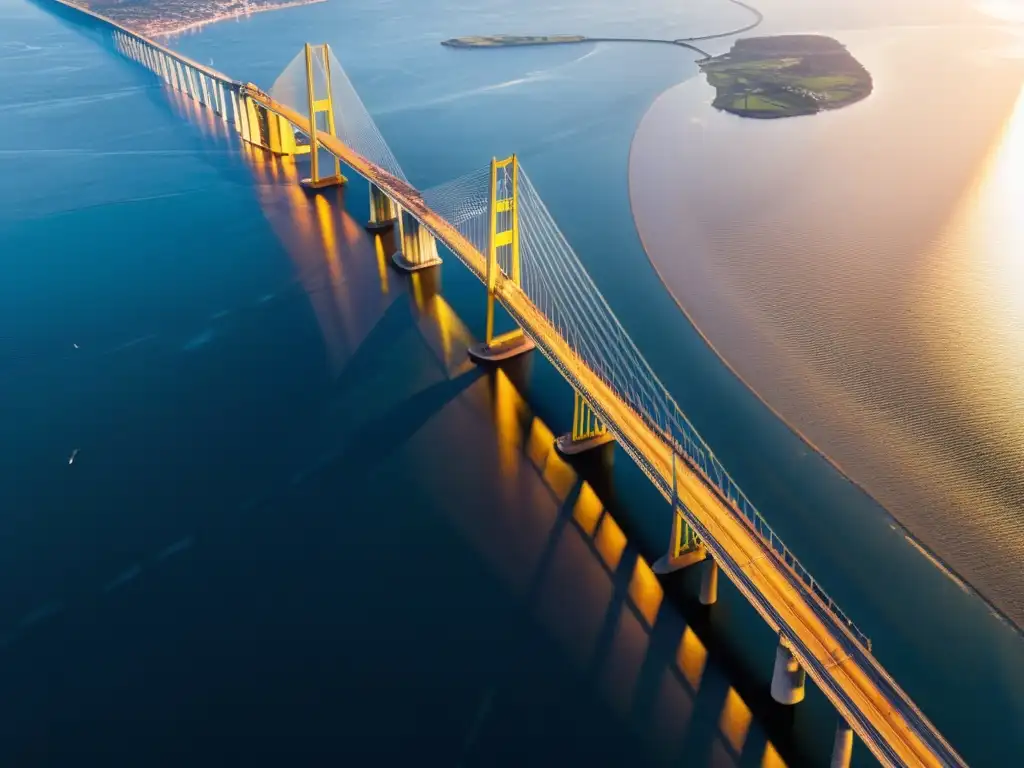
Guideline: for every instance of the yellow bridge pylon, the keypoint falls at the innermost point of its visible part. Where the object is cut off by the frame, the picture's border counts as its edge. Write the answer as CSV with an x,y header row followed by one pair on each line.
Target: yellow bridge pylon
x,y
317,107
588,431
503,240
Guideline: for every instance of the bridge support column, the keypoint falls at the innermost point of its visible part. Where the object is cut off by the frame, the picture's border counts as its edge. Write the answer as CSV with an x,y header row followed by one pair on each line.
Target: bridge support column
x,y
180,76
169,72
383,211
223,102
233,96
709,583
241,115
684,548
205,87
842,747
280,134
172,78
788,677
587,430
317,106
252,114
417,248
504,237
191,80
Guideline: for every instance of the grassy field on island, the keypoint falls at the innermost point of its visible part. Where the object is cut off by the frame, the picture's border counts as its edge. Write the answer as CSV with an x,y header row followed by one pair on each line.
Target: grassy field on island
x,y
786,76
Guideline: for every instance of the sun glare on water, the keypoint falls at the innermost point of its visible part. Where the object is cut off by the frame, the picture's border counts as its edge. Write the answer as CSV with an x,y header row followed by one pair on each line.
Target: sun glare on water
x,y
1005,10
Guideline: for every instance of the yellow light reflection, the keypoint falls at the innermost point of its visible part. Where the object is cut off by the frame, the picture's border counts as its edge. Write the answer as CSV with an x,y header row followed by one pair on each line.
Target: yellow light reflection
x,y
998,229
558,475
506,419
735,720
771,758
417,289
588,509
645,591
444,329
455,335
307,233
351,233
382,264
610,542
325,224
539,442
970,310
298,202
691,657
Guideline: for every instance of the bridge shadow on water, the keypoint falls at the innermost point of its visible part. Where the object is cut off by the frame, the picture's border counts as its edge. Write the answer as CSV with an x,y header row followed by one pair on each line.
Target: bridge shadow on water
x,y
421,576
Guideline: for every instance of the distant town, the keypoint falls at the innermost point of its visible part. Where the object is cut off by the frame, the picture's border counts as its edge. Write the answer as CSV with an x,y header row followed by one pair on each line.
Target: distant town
x,y
169,17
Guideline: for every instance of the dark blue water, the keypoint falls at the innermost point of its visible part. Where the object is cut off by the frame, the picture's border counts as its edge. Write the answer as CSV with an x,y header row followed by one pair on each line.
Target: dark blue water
x,y
298,524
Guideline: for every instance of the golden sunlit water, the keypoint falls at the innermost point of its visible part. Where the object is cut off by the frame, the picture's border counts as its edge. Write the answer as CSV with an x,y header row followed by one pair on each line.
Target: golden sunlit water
x,y
863,271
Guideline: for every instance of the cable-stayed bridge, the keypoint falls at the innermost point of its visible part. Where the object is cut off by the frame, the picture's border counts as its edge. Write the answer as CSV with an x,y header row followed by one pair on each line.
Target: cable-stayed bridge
x,y
495,222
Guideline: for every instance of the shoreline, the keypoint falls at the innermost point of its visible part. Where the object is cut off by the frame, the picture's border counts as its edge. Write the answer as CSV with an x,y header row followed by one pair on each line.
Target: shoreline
x,y
682,42
240,13
758,18
924,549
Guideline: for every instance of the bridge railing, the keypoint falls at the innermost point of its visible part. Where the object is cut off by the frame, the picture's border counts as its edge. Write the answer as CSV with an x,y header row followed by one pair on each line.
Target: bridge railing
x,y
691,446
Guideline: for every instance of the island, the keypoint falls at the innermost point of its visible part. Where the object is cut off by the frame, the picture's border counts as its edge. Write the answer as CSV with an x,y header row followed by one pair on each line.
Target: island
x,y
786,76
493,41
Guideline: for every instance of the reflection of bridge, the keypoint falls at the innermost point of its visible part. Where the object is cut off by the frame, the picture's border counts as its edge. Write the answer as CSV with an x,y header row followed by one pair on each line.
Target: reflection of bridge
x,y
494,221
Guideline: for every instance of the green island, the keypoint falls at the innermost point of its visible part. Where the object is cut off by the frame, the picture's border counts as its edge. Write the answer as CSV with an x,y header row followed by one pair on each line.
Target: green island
x,y
491,41
786,76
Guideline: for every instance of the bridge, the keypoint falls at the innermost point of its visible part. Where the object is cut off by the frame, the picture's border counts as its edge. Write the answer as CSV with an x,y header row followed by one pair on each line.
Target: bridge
x,y
494,221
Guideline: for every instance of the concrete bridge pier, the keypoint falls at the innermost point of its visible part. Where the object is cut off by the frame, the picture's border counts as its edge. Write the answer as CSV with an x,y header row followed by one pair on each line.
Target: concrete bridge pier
x,y
222,101
709,583
205,84
842,748
179,76
232,96
383,210
241,115
258,125
169,74
417,248
684,549
501,348
587,430
788,677
280,136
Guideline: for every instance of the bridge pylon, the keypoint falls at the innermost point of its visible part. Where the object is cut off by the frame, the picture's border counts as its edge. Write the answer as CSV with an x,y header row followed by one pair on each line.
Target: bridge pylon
x,y
588,431
316,107
503,241
685,549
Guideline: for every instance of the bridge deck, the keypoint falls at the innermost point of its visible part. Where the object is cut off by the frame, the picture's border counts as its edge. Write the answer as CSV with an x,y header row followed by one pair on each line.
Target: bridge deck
x,y
892,727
